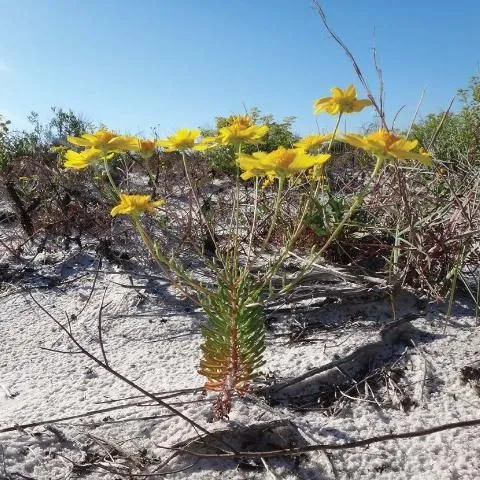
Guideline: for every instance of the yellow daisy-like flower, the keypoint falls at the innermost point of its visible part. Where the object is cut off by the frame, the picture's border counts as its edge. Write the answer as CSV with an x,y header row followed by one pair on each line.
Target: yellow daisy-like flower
x,y
241,130
135,205
84,159
281,162
385,145
183,139
146,148
341,101
311,143
105,140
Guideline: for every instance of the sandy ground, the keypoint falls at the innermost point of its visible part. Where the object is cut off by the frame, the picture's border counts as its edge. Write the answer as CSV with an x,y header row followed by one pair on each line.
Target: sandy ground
x,y
152,336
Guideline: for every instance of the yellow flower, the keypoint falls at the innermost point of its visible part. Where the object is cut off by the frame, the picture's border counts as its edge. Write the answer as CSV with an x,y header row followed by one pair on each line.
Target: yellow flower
x,y
182,140
84,159
135,204
311,143
385,145
146,148
281,162
241,130
105,140
341,101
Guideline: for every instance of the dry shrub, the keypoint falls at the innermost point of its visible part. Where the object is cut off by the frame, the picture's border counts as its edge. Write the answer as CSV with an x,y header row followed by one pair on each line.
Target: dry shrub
x,y
418,226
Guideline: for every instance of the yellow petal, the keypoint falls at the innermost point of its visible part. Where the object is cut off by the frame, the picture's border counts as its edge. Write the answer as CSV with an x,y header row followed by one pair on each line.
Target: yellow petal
x,y
303,162
194,133
350,91
422,157
321,101
354,140
260,131
247,162
118,210
82,159
247,175
403,144
321,158
123,143
337,93
93,138
359,105
76,165
135,204
81,142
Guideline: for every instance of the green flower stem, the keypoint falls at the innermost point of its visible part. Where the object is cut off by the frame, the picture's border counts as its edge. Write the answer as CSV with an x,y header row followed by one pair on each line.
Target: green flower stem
x,y
334,132
477,302
167,266
109,176
301,225
291,241
278,201
356,203
254,224
281,258
197,202
236,218
378,166
151,177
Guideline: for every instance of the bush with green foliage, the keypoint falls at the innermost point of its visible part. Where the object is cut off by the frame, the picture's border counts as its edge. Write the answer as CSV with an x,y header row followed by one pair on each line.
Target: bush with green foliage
x,y
454,136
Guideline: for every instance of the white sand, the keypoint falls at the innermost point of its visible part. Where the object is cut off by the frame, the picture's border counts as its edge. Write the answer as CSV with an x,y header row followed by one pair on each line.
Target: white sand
x,y
155,342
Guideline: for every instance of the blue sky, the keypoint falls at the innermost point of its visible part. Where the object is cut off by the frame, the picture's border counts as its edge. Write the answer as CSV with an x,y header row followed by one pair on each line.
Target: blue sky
x,y
138,64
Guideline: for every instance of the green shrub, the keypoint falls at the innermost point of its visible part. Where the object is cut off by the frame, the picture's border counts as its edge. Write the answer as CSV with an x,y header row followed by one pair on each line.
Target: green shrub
x,y
459,136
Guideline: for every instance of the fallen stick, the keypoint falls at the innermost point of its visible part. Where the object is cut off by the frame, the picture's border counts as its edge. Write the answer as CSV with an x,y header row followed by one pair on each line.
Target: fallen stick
x,y
73,417
337,446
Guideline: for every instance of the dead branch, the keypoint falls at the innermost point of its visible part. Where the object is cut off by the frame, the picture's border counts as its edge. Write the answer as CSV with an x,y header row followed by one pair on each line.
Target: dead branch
x,y
92,289
100,336
442,121
163,395
356,67
73,417
337,446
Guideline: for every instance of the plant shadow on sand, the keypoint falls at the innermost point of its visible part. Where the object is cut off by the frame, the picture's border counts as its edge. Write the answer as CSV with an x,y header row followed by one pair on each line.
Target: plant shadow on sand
x,y
360,375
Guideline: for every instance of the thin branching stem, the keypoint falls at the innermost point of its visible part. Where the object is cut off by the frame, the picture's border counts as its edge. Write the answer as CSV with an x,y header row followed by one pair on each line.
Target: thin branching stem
x,y
357,201
193,191
276,210
253,227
